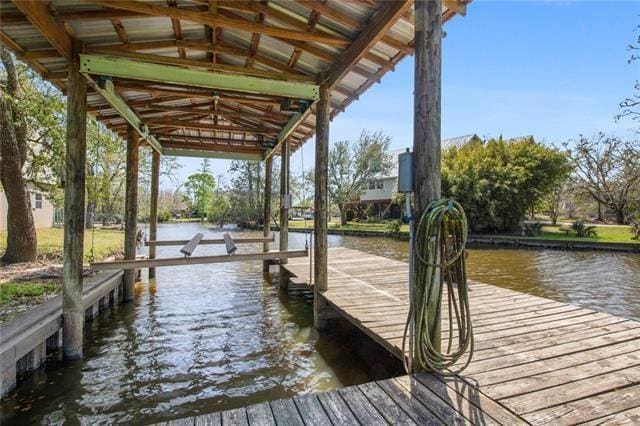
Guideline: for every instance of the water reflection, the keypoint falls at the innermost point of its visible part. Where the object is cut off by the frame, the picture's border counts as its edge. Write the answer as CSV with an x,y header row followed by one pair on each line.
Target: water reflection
x,y
605,281
198,339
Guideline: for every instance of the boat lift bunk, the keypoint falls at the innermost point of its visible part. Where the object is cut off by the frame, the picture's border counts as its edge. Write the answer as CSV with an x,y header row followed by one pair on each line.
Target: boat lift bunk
x,y
190,246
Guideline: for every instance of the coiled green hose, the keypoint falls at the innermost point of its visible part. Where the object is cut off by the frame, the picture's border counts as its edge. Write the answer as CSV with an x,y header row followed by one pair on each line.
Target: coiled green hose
x,y
439,257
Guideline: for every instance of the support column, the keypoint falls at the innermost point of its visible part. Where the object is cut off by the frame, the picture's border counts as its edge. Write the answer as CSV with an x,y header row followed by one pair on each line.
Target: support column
x,y
131,212
153,208
74,199
266,216
285,202
426,127
320,205
285,198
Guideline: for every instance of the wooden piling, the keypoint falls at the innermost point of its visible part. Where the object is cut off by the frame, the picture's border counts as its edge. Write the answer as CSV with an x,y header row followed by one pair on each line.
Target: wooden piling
x,y
426,124
74,200
284,196
131,211
153,208
285,200
266,216
321,205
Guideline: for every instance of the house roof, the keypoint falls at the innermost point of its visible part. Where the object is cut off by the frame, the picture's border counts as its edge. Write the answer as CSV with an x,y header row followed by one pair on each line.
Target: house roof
x,y
348,45
459,141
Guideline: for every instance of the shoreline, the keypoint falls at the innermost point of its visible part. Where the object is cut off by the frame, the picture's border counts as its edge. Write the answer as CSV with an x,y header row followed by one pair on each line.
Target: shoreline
x,y
484,240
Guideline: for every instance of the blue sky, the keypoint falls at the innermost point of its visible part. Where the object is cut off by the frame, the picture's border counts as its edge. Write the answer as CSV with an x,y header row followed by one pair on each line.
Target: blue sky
x,y
552,69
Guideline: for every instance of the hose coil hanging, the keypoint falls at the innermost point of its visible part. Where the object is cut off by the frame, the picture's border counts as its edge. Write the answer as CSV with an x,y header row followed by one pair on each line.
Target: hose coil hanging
x,y
439,257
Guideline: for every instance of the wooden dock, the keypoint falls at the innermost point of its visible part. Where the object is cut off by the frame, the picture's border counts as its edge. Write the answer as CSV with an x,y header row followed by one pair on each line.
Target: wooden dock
x,y
536,361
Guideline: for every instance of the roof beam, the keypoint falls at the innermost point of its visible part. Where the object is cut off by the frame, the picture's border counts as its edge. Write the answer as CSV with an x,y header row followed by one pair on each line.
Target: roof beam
x,y
288,130
194,63
183,152
138,70
457,6
383,19
178,124
37,12
218,20
109,93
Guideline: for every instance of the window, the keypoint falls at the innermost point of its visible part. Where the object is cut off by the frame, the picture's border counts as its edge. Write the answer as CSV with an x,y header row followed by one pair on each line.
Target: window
x,y
372,184
379,184
38,200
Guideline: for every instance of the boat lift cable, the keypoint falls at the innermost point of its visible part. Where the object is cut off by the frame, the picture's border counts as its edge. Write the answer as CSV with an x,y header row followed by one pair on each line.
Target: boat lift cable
x,y
439,259
92,253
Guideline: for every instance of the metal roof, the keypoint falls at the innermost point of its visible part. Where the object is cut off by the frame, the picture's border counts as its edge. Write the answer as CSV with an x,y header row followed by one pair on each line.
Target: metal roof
x,y
217,120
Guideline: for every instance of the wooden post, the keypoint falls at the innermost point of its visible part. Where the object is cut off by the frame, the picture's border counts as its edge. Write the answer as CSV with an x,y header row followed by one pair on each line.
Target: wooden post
x,y
321,204
266,217
153,208
284,197
285,200
74,199
426,124
131,212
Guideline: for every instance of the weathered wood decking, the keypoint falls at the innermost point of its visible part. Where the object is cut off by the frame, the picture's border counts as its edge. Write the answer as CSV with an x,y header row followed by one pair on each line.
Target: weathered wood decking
x,y
536,360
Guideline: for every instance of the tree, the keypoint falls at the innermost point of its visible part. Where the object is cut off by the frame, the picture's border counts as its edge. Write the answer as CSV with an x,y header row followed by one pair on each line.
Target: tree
x,y
246,190
21,233
169,167
543,170
497,182
200,187
106,164
354,165
630,107
220,210
608,170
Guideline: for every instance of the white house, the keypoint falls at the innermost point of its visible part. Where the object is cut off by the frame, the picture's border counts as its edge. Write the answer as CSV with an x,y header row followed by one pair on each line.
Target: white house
x,y
381,191
43,210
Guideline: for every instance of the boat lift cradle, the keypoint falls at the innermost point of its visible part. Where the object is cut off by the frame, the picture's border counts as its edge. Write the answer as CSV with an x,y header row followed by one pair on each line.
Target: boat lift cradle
x,y
190,246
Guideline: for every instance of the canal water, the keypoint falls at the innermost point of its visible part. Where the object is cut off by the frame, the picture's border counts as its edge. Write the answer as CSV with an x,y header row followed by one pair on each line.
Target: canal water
x,y
211,337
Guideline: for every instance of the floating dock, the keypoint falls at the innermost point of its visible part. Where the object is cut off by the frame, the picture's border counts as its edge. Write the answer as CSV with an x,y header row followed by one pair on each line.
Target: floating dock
x,y
536,361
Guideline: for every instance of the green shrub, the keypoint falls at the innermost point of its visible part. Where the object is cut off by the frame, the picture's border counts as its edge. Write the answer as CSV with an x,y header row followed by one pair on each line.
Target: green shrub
x,y
164,216
393,227
583,230
531,229
497,182
635,229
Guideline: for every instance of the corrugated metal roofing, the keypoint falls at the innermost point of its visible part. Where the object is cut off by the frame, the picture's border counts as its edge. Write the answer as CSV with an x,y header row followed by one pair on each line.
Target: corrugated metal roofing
x,y
120,30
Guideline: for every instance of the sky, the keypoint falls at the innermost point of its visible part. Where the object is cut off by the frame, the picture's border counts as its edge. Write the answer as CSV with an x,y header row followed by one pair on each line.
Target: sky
x,y
551,69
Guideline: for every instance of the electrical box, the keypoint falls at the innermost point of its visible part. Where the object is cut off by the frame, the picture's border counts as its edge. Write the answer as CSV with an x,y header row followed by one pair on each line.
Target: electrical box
x,y
285,201
405,171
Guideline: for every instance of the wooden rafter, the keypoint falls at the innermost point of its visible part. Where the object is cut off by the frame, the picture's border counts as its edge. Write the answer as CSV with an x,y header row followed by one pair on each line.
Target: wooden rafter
x,y
38,14
177,29
190,124
384,18
122,33
218,20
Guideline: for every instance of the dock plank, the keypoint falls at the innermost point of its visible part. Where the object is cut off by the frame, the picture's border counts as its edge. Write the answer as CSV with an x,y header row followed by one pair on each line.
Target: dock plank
x,y
537,361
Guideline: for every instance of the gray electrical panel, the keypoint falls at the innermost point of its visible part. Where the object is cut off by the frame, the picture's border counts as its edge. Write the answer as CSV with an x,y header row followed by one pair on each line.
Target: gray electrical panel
x,y
405,171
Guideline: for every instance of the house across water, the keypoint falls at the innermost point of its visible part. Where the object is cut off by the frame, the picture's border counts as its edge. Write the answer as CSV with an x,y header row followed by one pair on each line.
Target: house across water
x,y
380,197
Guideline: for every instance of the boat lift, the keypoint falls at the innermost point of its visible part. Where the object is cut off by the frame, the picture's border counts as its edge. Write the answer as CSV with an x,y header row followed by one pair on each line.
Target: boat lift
x,y
190,246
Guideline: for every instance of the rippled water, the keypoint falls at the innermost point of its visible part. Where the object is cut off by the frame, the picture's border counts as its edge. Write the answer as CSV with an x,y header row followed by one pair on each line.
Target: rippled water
x,y
210,337
604,281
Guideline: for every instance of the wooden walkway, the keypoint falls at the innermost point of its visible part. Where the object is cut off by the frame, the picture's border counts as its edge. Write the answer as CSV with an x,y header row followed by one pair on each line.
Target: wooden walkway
x,y
536,361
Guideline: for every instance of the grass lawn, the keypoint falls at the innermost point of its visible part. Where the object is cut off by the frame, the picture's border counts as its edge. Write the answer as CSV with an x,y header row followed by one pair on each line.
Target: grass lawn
x,y
108,242
606,233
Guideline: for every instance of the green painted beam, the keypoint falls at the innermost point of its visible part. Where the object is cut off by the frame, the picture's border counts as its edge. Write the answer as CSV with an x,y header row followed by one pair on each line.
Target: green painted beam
x,y
109,93
288,129
140,70
179,152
